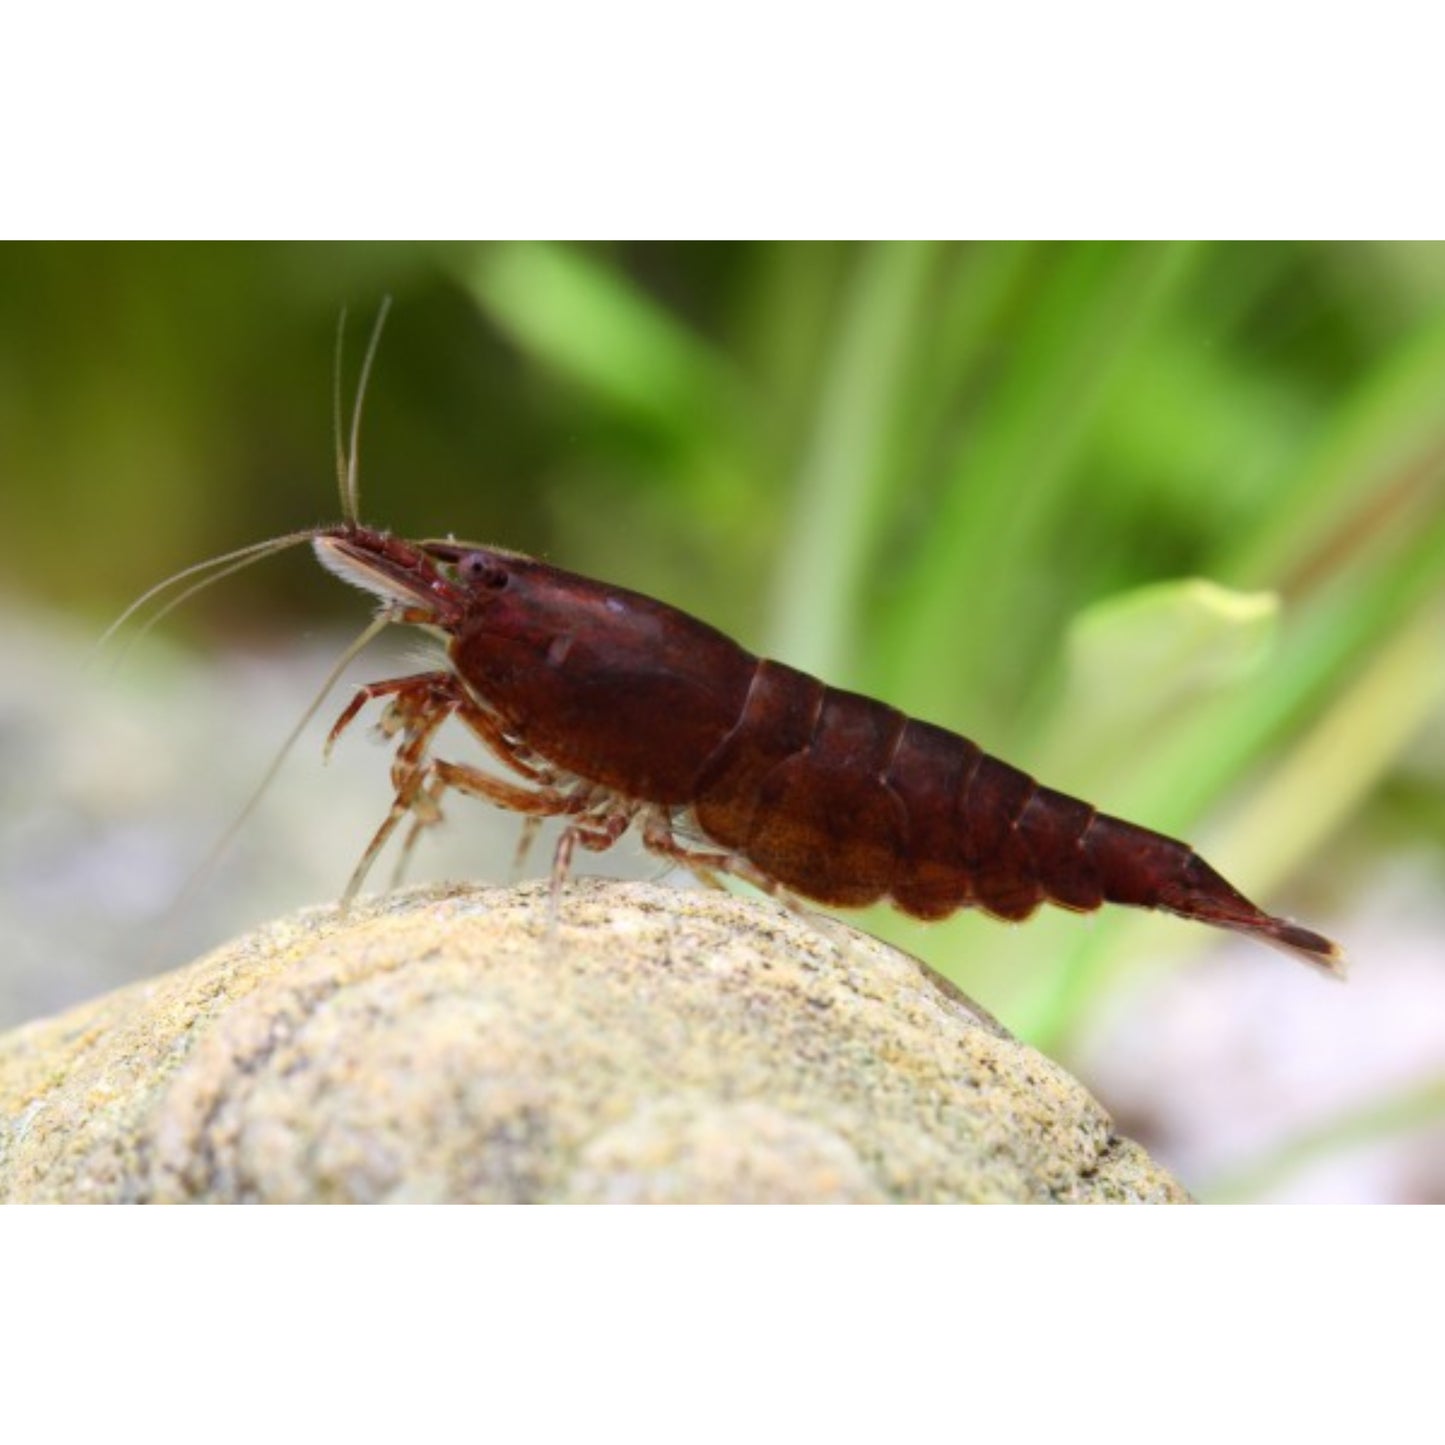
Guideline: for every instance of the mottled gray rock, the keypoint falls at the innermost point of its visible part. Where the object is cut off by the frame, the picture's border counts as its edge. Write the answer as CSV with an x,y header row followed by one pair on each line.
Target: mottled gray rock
x,y
660,1046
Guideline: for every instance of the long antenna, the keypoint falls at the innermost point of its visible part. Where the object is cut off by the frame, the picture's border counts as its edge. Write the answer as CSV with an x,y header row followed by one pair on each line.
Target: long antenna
x,y
349,502
213,856
336,414
218,567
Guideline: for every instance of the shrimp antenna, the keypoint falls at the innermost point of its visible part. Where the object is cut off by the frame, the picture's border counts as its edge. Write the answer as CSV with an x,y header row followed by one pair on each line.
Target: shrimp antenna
x,y
216,567
349,504
218,848
336,433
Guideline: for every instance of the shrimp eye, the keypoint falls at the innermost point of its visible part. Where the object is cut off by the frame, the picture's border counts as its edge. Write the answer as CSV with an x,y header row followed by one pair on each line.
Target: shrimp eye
x,y
480,568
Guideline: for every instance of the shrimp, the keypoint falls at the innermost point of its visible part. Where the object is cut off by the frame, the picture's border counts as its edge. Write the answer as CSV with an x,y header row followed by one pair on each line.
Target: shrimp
x,y
612,708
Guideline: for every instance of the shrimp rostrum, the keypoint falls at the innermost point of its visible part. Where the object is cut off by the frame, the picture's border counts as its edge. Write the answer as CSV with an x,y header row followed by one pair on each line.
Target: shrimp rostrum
x,y
611,708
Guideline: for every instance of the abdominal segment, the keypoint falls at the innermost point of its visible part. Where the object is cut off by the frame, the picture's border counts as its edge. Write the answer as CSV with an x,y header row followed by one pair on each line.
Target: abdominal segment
x,y
846,801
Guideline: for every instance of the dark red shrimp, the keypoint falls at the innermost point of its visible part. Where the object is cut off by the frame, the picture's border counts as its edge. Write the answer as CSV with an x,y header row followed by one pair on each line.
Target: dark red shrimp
x,y
613,707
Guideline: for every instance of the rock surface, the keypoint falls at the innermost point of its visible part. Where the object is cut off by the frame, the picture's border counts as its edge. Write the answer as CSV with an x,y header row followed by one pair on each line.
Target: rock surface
x,y
659,1047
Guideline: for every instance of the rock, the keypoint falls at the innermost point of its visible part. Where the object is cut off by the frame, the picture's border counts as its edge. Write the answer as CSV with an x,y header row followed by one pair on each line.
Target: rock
x,y
660,1046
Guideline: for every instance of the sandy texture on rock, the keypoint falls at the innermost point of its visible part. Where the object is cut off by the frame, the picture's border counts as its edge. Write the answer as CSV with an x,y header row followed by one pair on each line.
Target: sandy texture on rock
x,y
660,1046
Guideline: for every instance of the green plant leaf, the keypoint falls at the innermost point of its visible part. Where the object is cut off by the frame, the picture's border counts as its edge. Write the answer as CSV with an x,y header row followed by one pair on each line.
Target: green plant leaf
x,y
1135,661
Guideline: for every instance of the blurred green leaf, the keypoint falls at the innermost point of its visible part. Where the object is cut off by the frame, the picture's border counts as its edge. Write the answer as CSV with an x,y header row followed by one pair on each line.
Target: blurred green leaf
x,y
968,612
584,317
1136,661
839,496
1376,472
